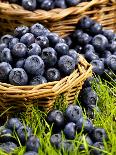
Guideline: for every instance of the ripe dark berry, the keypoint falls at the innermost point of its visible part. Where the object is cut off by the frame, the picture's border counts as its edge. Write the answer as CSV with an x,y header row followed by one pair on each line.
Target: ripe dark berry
x,y
21,30
66,64
106,54
55,140
85,22
38,80
49,56
13,42
20,63
47,5
77,34
109,34
68,40
29,4
69,130
62,49
111,62
31,153
37,29
2,46
60,4
42,41
5,55
90,56
34,49
5,135
74,55
112,46
32,144
6,39
34,65
97,66
67,146
84,39
73,113
89,48
19,50
79,49
8,147
100,42
5,69
27,39
18,77
72,2
98,148
96,28
13,124
53,74
53,39
88,82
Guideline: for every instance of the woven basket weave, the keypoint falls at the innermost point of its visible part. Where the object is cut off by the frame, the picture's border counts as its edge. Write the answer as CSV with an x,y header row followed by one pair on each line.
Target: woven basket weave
x,y
61,21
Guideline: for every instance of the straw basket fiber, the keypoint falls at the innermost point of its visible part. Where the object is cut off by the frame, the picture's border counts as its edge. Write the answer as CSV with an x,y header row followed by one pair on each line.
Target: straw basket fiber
x,y
61,21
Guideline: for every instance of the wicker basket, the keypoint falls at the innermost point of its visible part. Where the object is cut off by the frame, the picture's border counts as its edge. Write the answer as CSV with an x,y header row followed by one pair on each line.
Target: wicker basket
x,y
61,21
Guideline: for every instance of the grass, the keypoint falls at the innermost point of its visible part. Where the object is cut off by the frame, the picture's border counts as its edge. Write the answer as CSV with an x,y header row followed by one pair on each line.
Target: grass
x,y
105,118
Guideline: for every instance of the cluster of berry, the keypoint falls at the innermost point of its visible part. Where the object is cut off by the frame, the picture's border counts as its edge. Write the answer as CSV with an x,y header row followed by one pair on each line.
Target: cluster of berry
x,y
96,44
46,4
34,56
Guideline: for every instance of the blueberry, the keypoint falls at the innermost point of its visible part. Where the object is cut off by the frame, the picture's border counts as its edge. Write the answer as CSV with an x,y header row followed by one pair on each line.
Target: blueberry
x,y
49,56
73,113
109,34
32,144
13,124
5,135
2,46
5,69
67,146
62,49
20,63
84,124
53,74
100,42
78,49
88,82
5,55
84,39
90,112
112,46
18,77
34,65
6,39
53,39
98,135
66,64
13,42
111,62
60,4
38,80
97,66
74,55
34,49
91,56
42,41
114,53
27,39
69,131
8,147
31,153
85,22
47,5
72,2
96,28
55,140
56,118
24,133
37,29
89,48
29,4
19,50
61,40
21,30
98,148
77,34
68,40
114,38
106,54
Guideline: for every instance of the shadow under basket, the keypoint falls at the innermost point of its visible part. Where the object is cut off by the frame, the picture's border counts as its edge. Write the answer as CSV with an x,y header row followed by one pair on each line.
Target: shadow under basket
x,y
20,98
61,21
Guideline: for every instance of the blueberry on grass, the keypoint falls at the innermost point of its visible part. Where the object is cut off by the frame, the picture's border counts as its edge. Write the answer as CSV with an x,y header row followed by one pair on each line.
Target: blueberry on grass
x,y
38,80
5,135
2,46
34,65
96,28
24,133
72,2
85,125
13,42
53,39
53,74
13,124
18,77
5,69
62,49
27,39
91,56
97,66
112,46
70,131
6,39
8,147
66,146
98,148
49,56
31,153
66,64
19,50
109,34
100,42
42,41
74,55
85,22
37,29
55,140
111,62
29,4
47,5
32,144
34,49
88,82
5,55
73,113
20,63
21,30
60,4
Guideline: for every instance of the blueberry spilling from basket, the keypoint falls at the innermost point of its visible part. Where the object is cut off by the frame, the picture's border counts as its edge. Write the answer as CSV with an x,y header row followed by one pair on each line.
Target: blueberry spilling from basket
x,y
97,44
34,56
46,4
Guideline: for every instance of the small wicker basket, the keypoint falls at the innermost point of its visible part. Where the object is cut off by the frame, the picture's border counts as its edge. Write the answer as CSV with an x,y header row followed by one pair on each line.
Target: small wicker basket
x,y
61,21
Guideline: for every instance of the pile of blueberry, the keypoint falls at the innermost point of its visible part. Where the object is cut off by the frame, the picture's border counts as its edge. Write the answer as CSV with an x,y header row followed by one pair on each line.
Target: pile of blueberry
x,y
72,122
34,56
97,44
8,142
46,4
